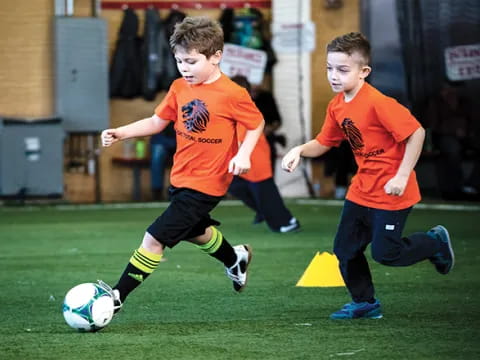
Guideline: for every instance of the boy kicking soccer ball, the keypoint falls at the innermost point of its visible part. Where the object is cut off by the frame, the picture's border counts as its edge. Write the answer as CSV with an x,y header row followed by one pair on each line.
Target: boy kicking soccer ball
x,y
205,106
386,141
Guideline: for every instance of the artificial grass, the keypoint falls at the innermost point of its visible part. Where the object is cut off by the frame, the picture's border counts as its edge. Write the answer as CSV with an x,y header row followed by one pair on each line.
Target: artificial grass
x,y
188,310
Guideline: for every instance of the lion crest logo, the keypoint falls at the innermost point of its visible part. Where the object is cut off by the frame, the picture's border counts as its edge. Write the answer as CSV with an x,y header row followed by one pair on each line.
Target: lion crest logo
x,y
353,134
196,116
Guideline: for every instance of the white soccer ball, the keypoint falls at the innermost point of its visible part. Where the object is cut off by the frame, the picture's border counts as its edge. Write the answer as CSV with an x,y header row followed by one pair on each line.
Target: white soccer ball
x,y
88,307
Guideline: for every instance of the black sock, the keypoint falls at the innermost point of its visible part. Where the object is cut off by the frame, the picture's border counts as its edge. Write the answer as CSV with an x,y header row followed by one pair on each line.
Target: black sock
x,y
141,265
219,248
225,254
130,279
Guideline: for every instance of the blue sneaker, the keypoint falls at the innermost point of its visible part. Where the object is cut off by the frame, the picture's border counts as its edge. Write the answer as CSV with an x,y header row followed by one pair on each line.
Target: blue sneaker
x,y
362,310
445,258
293,226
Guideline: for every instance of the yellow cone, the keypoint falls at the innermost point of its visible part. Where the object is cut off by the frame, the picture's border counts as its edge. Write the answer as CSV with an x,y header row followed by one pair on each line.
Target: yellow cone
x,y
323,271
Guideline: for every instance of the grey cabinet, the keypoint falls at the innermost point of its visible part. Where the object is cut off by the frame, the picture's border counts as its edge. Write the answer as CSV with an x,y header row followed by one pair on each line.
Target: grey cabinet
x,y
81,73
31,157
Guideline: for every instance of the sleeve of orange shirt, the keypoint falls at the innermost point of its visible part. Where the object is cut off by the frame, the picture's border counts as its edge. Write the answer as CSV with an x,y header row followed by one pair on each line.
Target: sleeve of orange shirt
x,y
331,133
245,112
167,109
396,118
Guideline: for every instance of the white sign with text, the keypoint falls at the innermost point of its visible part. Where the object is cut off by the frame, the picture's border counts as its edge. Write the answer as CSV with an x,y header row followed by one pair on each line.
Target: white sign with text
x,y
240,60
463,62
293,37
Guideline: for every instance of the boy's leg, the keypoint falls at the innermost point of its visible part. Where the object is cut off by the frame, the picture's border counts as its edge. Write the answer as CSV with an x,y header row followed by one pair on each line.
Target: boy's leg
x,y
142,263
214,244
389,248
187,218
352,237
236,259
388,245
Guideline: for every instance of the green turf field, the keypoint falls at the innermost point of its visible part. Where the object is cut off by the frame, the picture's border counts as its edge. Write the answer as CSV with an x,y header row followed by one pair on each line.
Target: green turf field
x,y
188,310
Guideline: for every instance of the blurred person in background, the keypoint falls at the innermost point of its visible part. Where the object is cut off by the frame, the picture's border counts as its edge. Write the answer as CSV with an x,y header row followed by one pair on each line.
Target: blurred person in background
x,y
257,188
455,138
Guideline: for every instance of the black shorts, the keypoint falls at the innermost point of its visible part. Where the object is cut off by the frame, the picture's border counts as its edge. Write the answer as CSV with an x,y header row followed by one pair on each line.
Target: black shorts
x,y
186,217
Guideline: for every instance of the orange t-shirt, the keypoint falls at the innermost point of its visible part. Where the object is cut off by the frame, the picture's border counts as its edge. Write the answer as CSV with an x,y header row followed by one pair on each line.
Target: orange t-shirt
x,y
376,127
261,164
205,117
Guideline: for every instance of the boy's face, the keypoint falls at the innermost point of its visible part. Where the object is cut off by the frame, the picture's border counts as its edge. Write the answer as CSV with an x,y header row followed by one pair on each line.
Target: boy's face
x,y
195,67
346,73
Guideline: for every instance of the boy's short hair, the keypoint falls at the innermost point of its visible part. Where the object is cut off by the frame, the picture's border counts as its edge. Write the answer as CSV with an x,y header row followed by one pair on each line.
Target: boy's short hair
x,y
350,43
198,33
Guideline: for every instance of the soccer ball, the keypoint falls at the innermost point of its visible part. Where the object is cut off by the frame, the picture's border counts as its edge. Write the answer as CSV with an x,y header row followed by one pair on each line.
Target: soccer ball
x,y
88,307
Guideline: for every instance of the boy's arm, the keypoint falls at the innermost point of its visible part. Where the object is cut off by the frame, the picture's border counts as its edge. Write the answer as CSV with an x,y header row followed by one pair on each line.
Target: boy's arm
x,y
240,163
310,149
397,184
144,127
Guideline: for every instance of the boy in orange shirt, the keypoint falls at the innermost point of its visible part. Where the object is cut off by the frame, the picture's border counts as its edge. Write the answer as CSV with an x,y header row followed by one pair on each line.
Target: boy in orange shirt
x,y
257,188
386,141
205,106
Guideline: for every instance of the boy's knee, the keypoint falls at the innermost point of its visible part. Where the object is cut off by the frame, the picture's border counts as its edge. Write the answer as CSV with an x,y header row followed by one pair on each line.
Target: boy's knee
x,y
152,244
385,256
342,254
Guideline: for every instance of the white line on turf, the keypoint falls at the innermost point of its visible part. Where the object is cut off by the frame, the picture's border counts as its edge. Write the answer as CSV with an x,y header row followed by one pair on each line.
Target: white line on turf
x,y
163,205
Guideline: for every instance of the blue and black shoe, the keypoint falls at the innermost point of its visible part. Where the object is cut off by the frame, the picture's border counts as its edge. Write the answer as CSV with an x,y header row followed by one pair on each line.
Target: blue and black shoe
x,y
444,259
361,310
258,219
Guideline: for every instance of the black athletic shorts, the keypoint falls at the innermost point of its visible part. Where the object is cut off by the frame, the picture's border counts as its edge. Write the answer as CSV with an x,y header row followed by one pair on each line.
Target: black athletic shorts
x,y
186,217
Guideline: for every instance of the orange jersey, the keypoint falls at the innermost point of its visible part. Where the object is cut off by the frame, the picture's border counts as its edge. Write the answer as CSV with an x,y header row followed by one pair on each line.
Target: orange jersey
x,y
205,117
376,126
261,164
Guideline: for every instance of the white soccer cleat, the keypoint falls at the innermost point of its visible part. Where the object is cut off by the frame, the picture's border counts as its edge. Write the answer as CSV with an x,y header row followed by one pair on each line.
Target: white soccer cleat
x,y
238,272
114,293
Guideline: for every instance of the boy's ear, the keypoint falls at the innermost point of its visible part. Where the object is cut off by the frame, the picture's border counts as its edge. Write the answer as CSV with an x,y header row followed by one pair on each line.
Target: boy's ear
x,y
217,57
366,70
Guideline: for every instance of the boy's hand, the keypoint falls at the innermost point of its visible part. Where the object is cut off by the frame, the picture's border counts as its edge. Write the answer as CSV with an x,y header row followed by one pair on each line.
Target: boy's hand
x,y
239,165
291,160
396,185
109,137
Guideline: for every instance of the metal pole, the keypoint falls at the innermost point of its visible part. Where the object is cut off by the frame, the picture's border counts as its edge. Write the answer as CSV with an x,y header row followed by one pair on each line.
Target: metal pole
x,y
96,8
70,6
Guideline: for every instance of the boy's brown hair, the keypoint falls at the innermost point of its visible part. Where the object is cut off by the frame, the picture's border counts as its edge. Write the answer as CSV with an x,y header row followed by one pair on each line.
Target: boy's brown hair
x,y
350,43
198,33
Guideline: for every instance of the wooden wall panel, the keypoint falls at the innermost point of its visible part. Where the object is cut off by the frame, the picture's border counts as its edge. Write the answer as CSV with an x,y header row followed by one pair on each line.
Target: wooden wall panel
x,y
329,24
26,58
